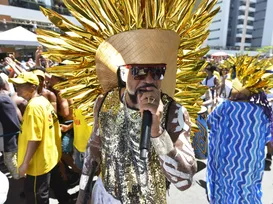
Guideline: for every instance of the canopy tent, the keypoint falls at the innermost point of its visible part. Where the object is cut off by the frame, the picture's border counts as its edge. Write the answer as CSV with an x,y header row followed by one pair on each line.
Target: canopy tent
x,y
18,36
219,54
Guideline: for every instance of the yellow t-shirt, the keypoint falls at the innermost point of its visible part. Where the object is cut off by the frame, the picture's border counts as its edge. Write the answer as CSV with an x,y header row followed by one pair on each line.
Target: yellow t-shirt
x,y
40,123
82,131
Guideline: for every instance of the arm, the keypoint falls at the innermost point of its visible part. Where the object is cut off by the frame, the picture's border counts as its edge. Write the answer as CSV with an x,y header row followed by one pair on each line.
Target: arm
x,y
32,146
174,149
19,114
20,103
38,54
217,86
172,144
92,154
53,100
65,128
63,107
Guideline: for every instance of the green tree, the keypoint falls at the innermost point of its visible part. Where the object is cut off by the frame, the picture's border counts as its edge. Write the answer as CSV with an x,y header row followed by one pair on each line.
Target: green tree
x,y
264,50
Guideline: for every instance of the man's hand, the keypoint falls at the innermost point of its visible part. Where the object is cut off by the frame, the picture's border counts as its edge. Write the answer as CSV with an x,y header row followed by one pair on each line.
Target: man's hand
x,y
9,61
65,128
151,101
23,169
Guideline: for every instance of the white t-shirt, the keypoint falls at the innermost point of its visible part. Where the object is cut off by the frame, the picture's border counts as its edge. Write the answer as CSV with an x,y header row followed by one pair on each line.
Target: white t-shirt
x,y
209,82
226,92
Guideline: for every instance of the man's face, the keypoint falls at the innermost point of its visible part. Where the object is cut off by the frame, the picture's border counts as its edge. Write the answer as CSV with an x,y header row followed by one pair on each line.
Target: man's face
x,y
139,79
225,71
25,90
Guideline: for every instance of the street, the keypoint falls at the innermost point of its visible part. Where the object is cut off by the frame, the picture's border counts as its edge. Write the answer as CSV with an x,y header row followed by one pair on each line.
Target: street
x,y
194,195
197,193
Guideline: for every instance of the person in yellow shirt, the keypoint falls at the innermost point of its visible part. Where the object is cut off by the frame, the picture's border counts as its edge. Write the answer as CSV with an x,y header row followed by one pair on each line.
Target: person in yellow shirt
x,y
39,143
82,133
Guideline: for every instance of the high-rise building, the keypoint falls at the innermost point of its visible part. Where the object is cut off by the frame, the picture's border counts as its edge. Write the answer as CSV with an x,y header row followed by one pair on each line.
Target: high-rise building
x,y
219,25
242,23
26,13
263,27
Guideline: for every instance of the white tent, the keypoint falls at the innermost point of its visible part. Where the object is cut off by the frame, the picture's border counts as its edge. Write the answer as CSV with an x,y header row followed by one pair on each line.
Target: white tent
x,y
18,36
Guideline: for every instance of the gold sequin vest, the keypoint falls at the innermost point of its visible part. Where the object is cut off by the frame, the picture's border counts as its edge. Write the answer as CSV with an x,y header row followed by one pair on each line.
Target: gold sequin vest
x,y
125,176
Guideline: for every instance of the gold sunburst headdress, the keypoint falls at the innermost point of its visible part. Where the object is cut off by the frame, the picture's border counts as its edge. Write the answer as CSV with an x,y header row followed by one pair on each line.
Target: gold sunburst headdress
x,y
104,20
250,74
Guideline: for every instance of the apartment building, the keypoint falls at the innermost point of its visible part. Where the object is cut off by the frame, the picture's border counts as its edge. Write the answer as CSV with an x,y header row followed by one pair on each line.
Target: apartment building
x,y
229,30
26,13
219,25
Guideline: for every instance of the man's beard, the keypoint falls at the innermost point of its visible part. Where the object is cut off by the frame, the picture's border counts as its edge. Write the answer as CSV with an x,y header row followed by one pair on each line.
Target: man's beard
x,y
133,97
139,90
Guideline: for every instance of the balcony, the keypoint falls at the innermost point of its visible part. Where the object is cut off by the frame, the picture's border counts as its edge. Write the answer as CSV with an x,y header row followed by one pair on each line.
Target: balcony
x,y
7,25
239,35
249,18
246,44
32,4
243,8
251,1
242,26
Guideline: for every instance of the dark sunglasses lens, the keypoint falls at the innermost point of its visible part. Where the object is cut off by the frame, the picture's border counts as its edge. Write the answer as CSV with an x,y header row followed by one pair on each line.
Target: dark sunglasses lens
x,y
158,73
140,73
161,73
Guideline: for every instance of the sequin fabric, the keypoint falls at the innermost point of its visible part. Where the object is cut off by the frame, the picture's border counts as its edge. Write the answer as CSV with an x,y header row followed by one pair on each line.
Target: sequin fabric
x,y
125,176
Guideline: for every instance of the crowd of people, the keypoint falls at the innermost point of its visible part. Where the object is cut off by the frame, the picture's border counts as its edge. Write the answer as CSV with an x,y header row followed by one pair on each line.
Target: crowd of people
x,y
43,138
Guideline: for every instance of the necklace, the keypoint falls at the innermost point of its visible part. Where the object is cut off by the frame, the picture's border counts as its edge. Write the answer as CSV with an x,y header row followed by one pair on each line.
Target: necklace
x,y
139,165
126,111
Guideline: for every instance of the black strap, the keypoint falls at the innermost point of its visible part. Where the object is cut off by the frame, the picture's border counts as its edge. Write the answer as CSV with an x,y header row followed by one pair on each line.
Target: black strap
x,y
10,134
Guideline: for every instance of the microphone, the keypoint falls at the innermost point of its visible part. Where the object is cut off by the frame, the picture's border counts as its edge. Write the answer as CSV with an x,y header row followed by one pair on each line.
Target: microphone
x,y
145,134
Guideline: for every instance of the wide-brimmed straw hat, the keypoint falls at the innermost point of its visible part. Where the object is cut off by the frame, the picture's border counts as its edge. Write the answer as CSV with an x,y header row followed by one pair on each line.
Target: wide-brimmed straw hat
x,y
144,46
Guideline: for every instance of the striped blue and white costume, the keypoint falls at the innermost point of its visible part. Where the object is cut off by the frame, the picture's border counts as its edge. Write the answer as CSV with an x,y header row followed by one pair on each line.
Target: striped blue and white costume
x,y
239,133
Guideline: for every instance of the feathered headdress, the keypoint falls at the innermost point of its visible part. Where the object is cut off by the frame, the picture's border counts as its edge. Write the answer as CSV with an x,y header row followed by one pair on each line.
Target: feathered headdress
x,y
102,20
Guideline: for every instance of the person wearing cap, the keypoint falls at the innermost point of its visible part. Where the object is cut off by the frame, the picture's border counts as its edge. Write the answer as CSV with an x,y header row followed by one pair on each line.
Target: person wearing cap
x,y
57,181
49,95
240,128
39,143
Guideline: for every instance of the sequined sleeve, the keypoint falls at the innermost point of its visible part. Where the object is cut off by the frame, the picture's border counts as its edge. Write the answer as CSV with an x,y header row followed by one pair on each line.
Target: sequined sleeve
x,y
179,164
94,147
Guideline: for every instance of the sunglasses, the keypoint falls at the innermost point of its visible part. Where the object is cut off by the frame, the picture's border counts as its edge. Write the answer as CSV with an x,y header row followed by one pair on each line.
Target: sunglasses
x,y
140,71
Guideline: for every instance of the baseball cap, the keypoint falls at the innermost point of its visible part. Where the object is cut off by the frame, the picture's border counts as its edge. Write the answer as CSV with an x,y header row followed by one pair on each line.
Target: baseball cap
x,y
25,77
39,73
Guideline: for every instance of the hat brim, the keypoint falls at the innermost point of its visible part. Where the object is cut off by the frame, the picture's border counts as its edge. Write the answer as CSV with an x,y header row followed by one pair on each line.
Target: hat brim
x,y
39,73
143,46
17,81
203,110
